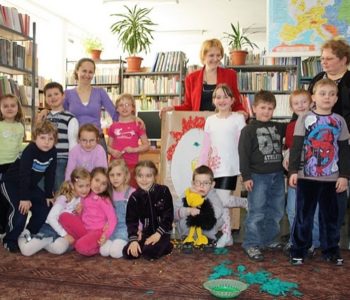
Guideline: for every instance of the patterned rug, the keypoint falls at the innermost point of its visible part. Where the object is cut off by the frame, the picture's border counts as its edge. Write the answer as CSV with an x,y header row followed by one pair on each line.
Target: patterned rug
x,y
177,276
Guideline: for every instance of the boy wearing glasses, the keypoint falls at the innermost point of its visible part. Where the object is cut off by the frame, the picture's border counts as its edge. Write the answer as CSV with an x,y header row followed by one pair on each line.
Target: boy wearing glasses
x,y
208,215
67,126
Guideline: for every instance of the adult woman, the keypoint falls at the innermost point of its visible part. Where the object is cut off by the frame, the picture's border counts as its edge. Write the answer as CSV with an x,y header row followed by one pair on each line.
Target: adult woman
x,y
335,58
199,85
85,101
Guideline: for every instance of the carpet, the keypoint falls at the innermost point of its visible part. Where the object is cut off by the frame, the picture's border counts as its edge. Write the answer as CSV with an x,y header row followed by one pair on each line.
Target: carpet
x,y
177,276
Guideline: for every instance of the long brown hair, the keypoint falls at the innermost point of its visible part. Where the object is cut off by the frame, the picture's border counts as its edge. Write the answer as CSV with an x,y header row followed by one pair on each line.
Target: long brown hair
x,y
103,171
19,116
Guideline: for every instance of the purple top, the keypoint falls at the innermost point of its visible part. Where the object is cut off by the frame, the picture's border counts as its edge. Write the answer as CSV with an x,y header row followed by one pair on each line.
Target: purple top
x,y
90,113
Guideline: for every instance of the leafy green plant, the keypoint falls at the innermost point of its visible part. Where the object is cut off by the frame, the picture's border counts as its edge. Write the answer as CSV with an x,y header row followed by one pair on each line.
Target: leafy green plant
x,y
92,44
134,30
238,38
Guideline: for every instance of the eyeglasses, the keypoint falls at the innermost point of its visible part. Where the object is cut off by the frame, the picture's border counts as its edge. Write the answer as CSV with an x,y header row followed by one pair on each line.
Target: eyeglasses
x,y
124,105
202,183
84,141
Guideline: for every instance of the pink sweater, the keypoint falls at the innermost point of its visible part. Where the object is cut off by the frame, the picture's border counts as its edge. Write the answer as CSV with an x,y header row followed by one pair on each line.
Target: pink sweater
x,y
97,212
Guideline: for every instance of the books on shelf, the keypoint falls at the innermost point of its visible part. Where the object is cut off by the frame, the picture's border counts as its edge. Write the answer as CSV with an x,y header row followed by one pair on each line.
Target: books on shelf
x,y
282,109
311,66
152,84
172,61
152,103
271,81
11,18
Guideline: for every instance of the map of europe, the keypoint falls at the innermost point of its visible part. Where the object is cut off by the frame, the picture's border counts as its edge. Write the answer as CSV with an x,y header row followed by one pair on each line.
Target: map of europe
x,y
304,25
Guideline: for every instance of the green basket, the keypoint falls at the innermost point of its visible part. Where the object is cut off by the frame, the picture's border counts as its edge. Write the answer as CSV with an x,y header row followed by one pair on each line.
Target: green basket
x,y
225,288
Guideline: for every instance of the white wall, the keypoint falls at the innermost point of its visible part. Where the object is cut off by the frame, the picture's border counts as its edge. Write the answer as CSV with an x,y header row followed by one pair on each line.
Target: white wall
x,y
63,24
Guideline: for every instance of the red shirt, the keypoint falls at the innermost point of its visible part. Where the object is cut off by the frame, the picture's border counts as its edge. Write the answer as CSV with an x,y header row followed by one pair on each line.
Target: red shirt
x,y
194,87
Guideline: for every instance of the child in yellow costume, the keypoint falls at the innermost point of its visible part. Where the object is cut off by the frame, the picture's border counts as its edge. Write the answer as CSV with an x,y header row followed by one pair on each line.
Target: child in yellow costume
x,y
198,215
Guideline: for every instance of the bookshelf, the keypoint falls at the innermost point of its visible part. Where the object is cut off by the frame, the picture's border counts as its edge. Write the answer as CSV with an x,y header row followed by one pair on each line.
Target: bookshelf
x,y
108,75
279,79
18,66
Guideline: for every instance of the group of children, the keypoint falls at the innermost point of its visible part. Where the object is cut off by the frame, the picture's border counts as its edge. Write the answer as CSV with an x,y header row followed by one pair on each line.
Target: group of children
x,y
98,210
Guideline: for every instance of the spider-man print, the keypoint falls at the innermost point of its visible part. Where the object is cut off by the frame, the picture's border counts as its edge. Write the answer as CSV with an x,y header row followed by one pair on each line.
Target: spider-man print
x,y
320,146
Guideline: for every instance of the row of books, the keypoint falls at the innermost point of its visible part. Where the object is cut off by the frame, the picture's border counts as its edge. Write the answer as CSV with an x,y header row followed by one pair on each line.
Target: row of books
x,y
272,81
13,54
23,92
11,18
311,66
151,103
106,74
282,105
152,85
172,61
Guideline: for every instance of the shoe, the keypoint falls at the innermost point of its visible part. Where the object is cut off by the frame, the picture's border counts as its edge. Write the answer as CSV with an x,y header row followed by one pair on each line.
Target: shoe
x,y
296,261
209,248
311,252
335,259
274,246
187,248
224,241
254,254
286,249
11,248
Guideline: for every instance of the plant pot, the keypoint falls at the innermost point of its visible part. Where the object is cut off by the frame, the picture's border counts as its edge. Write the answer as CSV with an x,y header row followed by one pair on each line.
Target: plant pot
x,y
95,54
134,63
238,57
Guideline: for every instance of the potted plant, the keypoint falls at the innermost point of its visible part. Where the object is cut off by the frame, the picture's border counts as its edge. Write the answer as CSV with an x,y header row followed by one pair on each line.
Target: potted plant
x,y
93,46
134,31
238,39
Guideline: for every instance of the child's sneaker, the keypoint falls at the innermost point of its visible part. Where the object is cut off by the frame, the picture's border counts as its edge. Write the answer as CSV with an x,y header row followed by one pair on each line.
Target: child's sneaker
x,y
335,259
296,261
209,248
187,248
274,246
225,240
13,248
254,253
311,252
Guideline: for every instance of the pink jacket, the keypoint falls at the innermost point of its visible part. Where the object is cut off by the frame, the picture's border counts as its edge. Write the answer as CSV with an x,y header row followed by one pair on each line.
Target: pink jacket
x,y
97,212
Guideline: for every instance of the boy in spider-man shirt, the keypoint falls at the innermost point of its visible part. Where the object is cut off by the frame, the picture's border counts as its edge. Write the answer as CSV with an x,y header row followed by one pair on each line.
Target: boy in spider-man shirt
x,y
319,167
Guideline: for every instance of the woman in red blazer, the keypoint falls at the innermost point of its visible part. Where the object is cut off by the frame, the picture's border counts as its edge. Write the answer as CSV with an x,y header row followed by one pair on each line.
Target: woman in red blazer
x,y
199,85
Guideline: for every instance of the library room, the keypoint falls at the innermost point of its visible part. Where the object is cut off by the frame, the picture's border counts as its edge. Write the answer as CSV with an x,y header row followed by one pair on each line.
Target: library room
x,y
174,149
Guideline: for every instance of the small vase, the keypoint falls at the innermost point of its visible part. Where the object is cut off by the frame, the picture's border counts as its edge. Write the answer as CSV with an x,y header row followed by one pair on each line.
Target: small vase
x,y
238,57
95,54
134,63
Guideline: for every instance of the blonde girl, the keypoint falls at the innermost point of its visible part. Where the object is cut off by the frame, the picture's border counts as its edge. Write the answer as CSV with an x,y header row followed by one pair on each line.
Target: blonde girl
x,y
87,153
93,226
152,205
52,235
220,153
127,136
11,138
119,177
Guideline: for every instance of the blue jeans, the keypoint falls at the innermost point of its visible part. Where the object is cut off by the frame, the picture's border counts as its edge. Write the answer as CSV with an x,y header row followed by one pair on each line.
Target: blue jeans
x,y
291,208
120,231
60,172
265,209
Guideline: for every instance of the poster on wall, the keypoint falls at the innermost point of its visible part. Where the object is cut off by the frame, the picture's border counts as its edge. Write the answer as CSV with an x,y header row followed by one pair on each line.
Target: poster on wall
x,y
300,27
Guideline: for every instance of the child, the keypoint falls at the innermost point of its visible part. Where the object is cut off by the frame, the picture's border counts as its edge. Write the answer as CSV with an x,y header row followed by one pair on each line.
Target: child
x,y
209,216
93,226
260,158
152,205
51,235
222,132
125,134
319,168
20,184
299,102
66,124
11,138
119,177
87,153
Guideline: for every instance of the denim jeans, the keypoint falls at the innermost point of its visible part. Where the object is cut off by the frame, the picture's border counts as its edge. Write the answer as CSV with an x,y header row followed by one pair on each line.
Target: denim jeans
x,y
60,172
120,231
265,209
291,208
